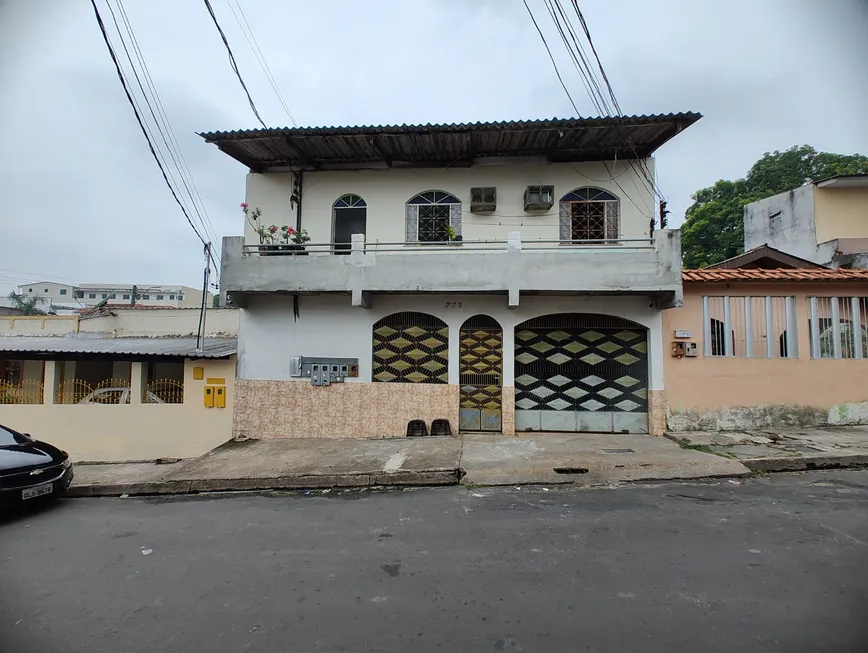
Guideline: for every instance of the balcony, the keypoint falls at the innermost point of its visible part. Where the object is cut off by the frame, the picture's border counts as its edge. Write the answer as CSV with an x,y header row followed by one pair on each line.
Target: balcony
x,y
649,267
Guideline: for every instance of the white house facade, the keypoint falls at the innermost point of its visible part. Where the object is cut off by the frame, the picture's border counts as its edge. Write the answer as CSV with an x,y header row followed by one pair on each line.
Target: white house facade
x,y
487,277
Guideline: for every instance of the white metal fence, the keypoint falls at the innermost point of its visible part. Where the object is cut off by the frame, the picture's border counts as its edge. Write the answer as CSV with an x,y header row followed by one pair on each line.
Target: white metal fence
x,y
838,327
750,327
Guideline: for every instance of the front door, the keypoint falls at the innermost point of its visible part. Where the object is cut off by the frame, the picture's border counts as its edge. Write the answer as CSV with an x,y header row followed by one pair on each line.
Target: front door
x,y
481,374
577,372
350,213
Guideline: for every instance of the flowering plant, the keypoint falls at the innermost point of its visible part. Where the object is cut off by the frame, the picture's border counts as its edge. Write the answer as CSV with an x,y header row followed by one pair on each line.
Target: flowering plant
x,y
272,234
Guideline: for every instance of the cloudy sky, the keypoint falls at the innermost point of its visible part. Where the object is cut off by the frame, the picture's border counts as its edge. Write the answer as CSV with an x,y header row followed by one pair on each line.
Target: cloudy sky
x,y
84,202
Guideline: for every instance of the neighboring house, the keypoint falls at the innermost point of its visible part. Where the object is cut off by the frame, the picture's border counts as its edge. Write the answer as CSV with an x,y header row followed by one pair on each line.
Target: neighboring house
x,y
774,348
499,276
825,222
92,294
132,385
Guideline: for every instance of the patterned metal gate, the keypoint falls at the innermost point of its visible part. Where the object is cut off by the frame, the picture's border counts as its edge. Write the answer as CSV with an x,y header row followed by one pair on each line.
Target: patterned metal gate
x,y
577,372
481,374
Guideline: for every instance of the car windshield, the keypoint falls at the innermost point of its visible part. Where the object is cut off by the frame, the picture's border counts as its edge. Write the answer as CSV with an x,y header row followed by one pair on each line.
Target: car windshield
x,y
11,437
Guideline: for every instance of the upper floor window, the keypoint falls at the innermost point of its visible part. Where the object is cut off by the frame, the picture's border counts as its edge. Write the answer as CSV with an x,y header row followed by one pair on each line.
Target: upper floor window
x,y
838,327
589,214
146,296
180,298
433,217
63,291
159,297
125,296
91,295
350,217
172,297
104,295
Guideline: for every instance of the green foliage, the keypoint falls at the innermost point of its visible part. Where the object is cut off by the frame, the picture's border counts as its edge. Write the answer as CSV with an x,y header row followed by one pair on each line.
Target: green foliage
x,y
27,304
713,229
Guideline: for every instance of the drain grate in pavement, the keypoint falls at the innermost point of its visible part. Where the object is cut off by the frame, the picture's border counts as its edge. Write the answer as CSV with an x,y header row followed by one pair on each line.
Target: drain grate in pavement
x,y
570,470
618,451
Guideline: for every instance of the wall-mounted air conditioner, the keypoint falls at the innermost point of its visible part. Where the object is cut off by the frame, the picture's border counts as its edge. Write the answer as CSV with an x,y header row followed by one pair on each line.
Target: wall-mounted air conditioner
x,y
483,199
539,198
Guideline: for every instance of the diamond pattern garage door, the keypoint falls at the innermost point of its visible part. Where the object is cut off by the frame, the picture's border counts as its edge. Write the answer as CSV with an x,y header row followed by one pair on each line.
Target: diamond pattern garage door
x,y
581,373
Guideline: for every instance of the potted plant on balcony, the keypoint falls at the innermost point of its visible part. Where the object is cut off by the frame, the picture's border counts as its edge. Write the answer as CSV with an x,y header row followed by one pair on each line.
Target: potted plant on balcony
x,y
275,240
452,235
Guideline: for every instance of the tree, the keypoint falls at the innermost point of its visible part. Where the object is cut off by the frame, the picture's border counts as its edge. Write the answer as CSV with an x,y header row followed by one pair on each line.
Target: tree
x,y
29,305
713,228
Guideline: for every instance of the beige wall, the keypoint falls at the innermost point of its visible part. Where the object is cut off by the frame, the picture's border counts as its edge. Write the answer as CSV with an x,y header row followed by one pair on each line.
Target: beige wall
x,y
841,213
733,393
135,431
127,323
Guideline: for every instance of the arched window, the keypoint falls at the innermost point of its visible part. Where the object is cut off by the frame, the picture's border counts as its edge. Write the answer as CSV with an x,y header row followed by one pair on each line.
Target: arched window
x,y
589,214
410,347
350,217
429,216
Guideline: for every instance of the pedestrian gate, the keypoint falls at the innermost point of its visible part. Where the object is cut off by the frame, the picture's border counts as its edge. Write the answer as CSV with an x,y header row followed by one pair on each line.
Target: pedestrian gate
x,y
481,374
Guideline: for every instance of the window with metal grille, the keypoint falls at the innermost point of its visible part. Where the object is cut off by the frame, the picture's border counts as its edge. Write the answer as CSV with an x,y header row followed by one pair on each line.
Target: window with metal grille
x,y
838,327
589,215
430,216
749,327
410,347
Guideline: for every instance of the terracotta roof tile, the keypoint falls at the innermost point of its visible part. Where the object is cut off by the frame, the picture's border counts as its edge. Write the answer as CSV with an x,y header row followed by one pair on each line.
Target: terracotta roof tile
x,y
791,275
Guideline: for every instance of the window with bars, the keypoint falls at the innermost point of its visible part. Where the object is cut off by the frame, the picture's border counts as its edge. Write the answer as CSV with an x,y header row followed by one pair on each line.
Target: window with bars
x,y
589,215
430,216
749,327
838,327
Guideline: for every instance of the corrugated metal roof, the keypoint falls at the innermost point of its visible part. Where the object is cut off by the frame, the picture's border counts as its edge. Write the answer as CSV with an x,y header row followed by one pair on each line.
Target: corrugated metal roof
x,y
80,344
557,139
797,275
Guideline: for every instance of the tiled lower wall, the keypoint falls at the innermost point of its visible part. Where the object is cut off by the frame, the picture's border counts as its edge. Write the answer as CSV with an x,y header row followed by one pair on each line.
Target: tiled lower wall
x,y
297,409
656,412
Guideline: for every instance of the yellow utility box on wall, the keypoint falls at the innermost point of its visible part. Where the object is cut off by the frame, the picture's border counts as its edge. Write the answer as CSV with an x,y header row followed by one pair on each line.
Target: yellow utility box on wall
x,y
215,396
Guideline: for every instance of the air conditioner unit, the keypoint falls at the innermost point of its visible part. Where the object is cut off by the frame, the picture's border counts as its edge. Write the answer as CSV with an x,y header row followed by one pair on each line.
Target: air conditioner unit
x,y
539,198
483,199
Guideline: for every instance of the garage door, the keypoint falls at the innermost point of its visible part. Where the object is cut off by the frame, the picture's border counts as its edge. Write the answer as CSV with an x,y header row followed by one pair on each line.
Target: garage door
x,y
579,372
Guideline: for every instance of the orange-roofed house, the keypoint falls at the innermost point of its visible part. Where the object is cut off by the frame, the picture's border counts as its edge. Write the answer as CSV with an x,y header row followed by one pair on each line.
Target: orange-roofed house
x,y
781,342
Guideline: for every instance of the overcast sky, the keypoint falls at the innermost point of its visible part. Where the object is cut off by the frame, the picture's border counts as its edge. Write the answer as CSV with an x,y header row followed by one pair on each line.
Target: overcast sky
x,y
84,202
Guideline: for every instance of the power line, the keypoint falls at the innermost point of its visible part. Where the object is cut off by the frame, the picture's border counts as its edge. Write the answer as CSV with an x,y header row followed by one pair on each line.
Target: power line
x,y
139,118
555,65
642,165
160,120
161,112
257,52
233,64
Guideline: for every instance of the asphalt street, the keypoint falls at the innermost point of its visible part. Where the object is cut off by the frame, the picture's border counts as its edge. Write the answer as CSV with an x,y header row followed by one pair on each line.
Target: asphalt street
x,y
768,564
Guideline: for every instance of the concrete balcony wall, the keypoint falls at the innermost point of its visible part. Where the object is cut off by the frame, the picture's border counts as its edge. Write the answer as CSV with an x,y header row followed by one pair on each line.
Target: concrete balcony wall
x,y
650,267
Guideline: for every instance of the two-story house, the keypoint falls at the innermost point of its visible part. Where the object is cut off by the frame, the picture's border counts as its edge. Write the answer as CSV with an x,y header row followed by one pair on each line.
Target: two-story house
x,y
825,222
498,276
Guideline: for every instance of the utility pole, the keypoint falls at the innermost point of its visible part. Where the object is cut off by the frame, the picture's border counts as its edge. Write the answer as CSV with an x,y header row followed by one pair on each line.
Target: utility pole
x,y
200,336
133,296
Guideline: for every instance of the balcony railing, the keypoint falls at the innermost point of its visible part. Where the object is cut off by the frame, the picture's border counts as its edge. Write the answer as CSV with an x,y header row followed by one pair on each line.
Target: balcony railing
x,y
512,266
453,246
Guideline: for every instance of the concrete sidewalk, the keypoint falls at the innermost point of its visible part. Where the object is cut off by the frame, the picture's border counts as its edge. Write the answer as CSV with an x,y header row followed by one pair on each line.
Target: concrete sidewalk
x,y
785,450
282,464
585,459
538,458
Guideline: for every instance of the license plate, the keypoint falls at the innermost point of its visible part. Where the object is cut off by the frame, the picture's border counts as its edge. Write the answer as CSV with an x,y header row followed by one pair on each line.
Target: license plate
x,y
37,491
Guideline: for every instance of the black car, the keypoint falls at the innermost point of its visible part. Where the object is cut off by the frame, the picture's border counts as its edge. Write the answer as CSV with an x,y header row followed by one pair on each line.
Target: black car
x,y
30,468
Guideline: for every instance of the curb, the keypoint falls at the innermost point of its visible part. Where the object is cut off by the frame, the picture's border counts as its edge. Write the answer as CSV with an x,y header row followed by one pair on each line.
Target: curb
x,y
804,463
300,482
